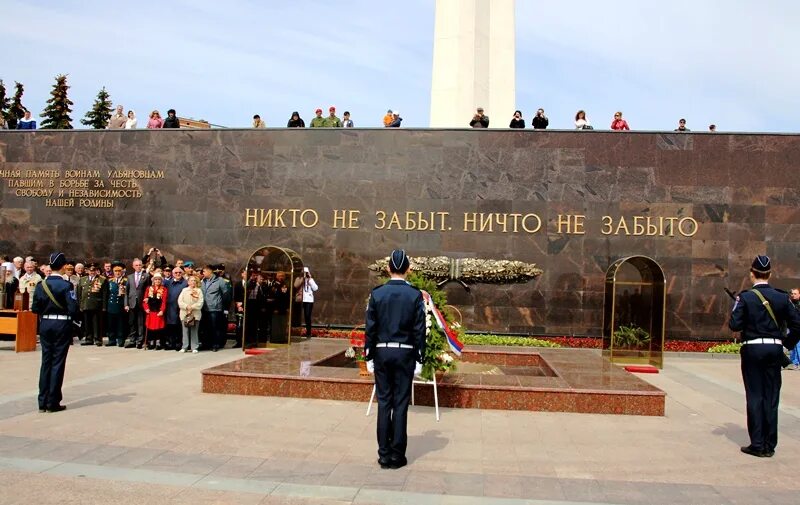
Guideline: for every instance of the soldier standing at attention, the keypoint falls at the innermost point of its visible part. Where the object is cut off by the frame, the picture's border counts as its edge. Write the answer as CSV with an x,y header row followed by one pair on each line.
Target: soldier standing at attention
x,y
394,347
54,300
115,308
92,295
760,314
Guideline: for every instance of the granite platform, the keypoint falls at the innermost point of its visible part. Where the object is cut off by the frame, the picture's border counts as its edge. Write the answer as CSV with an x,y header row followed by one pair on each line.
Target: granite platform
x,y
488,377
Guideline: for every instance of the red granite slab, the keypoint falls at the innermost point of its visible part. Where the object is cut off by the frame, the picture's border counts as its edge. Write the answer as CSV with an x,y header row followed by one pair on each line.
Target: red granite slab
x,y
534,379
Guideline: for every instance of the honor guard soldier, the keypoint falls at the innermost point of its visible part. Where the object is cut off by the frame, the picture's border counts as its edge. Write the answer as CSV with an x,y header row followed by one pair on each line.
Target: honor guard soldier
x,y
761,314
92,295
394,347
54,300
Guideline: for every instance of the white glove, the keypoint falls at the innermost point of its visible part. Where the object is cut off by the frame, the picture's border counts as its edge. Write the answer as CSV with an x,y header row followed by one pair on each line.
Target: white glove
x,y
371,366
417,369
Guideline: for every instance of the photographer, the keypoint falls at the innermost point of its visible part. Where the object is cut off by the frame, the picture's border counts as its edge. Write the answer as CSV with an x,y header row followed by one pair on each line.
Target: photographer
x,y
517,121
305,294
154,259
479,120
540,121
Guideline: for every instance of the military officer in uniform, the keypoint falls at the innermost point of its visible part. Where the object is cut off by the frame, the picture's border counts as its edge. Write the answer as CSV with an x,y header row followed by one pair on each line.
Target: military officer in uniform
x,y
54,300
761,314
115,308
92,295
394,347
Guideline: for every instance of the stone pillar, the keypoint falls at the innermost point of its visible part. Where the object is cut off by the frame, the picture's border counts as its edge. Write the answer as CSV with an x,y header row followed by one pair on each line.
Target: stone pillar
x,y
473,62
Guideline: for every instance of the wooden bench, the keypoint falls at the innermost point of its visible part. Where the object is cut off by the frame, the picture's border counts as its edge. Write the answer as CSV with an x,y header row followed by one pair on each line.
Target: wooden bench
x,y
22,326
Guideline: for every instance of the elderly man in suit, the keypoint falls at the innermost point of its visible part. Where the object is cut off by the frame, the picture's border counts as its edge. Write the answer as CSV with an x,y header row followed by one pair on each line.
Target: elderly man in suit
x,y
134,295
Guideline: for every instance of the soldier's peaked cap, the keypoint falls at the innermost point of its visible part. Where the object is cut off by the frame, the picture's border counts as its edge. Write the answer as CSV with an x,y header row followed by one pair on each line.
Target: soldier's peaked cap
x,y
761,264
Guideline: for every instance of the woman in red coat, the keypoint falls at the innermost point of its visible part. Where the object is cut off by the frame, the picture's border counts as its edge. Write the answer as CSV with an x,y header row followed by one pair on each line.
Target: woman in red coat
x,y
155,303
618,123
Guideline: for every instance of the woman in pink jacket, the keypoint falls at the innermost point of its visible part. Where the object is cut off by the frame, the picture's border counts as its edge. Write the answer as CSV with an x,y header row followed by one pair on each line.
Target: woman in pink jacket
x,y
155,120
618,123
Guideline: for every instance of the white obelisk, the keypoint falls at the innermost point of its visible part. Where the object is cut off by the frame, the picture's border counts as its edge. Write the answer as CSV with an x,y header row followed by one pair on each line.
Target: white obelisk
x,y
473,62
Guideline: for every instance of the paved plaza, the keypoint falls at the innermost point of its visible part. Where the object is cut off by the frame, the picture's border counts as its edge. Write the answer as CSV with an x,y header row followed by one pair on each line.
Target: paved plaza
x,y
138,430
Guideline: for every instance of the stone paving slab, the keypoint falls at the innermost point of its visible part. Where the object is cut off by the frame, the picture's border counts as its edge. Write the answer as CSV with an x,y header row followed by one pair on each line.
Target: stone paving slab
x,y
169,443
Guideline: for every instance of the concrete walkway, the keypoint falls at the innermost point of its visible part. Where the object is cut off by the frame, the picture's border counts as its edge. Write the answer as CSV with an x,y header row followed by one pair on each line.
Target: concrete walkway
x,y
138,430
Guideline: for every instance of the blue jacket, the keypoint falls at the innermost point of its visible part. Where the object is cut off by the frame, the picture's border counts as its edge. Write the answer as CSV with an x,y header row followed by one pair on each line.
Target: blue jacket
x,y
751,317
396,313
174,289
63,293
116,302
26,125
214,294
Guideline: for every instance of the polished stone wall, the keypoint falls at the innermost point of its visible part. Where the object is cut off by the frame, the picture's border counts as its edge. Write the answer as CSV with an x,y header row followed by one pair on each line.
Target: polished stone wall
x,y
193,190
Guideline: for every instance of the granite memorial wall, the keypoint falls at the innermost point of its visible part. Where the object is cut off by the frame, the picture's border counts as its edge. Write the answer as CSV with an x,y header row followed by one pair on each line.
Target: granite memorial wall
x,y
701,205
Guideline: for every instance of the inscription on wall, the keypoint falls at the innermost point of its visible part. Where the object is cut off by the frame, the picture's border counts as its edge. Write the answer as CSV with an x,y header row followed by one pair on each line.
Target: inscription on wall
x,y
472,222
78,188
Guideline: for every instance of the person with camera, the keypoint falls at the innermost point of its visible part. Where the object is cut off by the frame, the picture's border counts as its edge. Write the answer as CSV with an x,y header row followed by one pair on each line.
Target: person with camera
x,y
517,121
154,259
479,120
540,121
306,286
190,302
760,314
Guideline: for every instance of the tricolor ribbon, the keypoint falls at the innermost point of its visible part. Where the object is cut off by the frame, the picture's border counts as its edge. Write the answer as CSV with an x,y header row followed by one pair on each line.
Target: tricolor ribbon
x,y
441,322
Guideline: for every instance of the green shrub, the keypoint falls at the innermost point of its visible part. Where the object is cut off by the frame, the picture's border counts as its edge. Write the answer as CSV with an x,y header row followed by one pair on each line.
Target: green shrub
x,y
731,348
488,339
631,337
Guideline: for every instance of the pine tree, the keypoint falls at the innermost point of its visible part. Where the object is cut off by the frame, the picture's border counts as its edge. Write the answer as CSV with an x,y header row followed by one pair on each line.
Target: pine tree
x,y
56,114
100,114
17,110
4,102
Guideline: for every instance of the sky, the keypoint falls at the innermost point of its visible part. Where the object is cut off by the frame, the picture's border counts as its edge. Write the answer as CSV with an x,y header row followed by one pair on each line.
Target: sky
x,y
728,62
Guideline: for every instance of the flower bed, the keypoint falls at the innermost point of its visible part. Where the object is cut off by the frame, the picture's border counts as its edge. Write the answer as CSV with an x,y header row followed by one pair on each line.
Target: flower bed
x,y
571,342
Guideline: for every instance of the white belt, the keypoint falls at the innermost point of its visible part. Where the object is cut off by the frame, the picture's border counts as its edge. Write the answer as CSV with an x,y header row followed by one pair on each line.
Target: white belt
x,y
763,341
396,345
55,316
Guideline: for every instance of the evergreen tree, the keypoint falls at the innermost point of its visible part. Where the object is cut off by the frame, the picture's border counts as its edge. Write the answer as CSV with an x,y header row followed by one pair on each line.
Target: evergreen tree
x,y
4,102
56,114
98,117
17,110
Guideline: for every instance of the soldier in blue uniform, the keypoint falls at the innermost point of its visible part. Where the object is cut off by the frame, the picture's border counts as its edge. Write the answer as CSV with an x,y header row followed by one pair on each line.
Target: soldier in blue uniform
x,y
54,300
761,314
394,347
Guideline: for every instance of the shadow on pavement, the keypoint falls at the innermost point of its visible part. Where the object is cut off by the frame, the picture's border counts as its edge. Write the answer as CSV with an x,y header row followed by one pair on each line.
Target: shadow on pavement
x,y
420,445
99,400
733,432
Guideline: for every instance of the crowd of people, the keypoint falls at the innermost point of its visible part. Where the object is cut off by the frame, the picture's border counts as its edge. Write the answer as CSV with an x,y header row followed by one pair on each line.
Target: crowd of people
x,y
162,306
540,121
121,121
